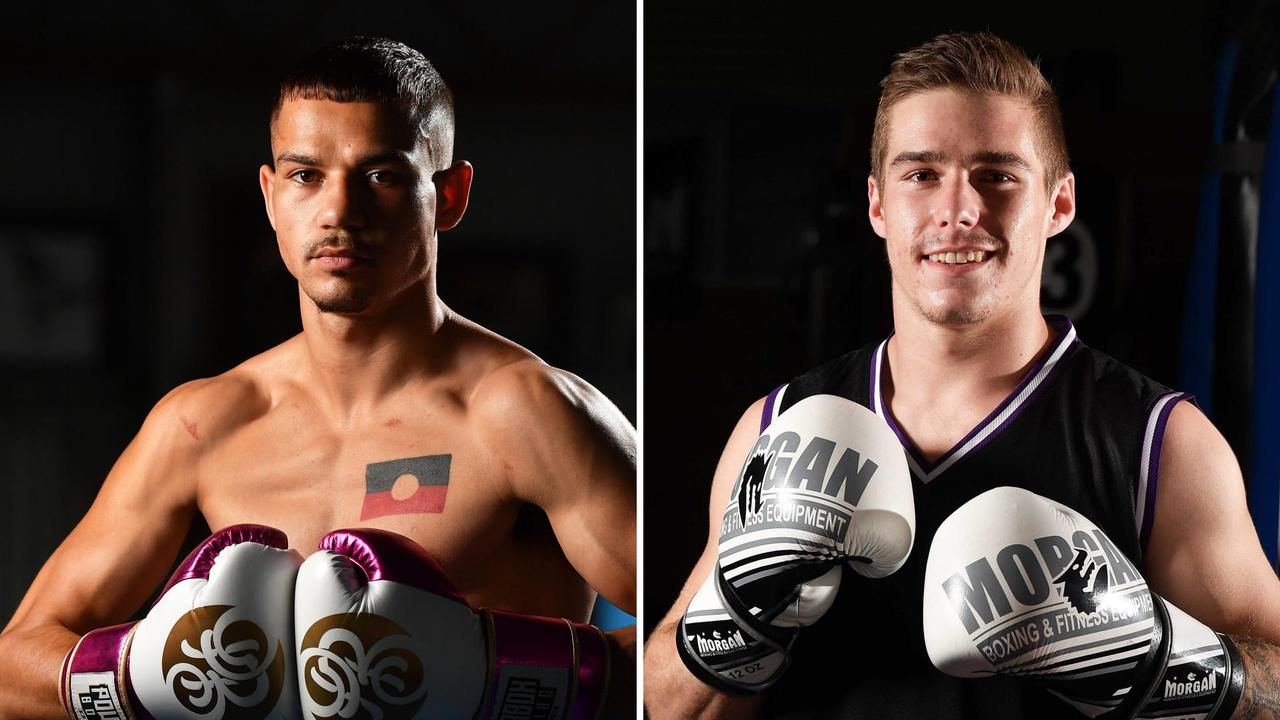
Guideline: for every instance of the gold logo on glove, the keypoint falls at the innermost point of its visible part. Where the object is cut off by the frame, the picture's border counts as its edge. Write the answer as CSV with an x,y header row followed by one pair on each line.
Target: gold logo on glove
x,y
361,666
220,664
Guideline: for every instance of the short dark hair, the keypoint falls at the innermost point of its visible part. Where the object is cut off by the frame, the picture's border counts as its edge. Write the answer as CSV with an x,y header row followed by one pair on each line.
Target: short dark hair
x,y
373,69
980,63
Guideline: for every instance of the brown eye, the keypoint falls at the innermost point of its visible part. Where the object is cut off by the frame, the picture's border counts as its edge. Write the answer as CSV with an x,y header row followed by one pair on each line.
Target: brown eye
x,y
303,177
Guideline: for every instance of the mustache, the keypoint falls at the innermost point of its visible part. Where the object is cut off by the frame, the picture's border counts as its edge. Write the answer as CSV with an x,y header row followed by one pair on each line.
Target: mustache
x,y
341,241
930,245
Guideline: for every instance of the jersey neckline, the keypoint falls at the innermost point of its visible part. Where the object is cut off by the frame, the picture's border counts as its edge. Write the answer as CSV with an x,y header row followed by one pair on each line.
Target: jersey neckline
x,y
991,426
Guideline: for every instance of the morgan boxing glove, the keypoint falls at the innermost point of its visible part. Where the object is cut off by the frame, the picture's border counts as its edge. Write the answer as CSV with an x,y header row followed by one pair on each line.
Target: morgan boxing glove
x,y
1018,584
382,633
218,642
825,486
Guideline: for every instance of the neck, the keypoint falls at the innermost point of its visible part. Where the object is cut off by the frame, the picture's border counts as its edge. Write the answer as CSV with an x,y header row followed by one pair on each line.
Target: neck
x,y
352,362
986,357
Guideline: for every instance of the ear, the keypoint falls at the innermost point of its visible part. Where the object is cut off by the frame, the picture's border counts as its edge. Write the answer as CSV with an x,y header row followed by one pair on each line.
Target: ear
x,y
267,180
875,211
453,189
1064,206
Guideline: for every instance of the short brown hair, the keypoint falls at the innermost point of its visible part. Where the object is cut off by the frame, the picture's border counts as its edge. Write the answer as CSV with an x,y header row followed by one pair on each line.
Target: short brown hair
x,y
977,63
373,69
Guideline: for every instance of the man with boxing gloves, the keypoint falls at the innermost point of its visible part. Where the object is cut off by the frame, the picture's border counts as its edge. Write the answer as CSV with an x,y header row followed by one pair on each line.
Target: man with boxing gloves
x,y
1051,483
507,484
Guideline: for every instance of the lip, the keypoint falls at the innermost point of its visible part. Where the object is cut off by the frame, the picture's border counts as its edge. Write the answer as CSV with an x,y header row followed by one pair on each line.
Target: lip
x,y
340,262
340,258
339,252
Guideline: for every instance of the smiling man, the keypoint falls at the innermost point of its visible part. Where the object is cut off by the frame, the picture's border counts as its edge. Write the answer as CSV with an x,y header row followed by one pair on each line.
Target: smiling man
x,y
388,411
1012,429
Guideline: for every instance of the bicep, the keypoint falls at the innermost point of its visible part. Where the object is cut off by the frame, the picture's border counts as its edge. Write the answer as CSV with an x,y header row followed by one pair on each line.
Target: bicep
x,y
1204,554
571,452
594,515
120,550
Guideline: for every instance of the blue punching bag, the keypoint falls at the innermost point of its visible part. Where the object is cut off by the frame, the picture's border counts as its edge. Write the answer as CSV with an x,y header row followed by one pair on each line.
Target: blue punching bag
x,y
1264,485
1196,356
608,616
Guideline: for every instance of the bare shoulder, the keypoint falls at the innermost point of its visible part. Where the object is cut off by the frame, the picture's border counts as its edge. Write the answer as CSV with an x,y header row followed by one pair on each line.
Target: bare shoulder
x,y
507,386
531,397
1204,553
546,426
207,409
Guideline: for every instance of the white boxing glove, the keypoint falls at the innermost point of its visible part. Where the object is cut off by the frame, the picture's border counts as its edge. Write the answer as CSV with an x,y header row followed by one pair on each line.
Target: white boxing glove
x,y
383,633
825,486
1017,584
218,643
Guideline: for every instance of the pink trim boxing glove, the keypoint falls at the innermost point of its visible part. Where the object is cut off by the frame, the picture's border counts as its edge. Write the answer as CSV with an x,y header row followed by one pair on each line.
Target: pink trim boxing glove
x,y
216,642
381,631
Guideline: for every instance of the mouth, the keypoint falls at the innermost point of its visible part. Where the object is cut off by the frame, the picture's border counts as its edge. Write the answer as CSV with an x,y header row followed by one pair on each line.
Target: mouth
x,y
340,258
340,262
958,259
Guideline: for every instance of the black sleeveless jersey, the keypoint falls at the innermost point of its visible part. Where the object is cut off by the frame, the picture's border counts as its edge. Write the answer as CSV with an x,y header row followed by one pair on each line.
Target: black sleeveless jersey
x,y
1080,428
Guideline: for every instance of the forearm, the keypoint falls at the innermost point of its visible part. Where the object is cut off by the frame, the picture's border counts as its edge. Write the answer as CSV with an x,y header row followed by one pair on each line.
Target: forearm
x,y
1261,696
30,659
671,691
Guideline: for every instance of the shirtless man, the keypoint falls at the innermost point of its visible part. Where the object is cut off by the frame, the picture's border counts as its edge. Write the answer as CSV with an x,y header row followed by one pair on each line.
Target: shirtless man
x,y
388,411
969,179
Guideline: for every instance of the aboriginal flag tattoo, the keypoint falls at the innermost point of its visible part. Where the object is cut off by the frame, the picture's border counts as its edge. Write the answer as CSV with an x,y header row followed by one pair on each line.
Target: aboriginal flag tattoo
x,y
408,486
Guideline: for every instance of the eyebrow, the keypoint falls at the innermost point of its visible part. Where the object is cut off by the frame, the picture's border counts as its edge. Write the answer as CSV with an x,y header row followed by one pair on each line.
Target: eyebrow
x,y
379,158
986,157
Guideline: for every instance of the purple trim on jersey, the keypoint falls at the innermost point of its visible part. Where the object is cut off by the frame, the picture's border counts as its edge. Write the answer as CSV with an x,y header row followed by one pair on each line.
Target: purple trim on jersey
x,y
766,417
201,560
926,470
384,555
1153,464
877,363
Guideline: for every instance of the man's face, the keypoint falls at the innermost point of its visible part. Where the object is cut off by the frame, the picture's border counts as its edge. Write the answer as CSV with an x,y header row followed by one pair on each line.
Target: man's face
x,y
352,201
962,179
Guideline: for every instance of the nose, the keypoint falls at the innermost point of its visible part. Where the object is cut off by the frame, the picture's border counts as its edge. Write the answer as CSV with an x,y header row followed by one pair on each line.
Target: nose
x,y
344,203
958,205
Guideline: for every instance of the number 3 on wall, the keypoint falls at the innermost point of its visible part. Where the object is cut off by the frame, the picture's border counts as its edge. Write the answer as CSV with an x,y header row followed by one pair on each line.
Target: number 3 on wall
x,y
1070,276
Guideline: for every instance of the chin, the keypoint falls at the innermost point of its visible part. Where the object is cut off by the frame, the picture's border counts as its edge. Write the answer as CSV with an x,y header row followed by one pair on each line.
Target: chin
x,y
341,304
955,313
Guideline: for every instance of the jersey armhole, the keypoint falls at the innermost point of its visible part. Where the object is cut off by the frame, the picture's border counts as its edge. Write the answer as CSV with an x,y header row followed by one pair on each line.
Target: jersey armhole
x,y
1149,471
772,406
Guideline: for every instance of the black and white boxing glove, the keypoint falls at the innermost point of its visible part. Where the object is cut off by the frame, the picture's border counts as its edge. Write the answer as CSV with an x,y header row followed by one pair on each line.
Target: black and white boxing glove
x,y
826,485
1017,584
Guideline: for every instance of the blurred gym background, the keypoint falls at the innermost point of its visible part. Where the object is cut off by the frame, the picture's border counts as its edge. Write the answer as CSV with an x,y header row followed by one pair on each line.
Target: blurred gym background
x,y
760,263
135,253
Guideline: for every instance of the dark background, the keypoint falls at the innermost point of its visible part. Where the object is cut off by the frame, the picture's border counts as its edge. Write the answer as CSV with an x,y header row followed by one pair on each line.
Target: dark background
x,y
135,254
759,260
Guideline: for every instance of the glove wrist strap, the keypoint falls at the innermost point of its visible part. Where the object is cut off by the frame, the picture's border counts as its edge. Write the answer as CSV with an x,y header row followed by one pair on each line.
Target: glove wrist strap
x,y
95,676
1202,676
725,649
543,667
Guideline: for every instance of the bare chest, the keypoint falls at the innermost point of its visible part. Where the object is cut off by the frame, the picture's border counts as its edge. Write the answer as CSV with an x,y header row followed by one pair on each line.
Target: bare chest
x,y
427,478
